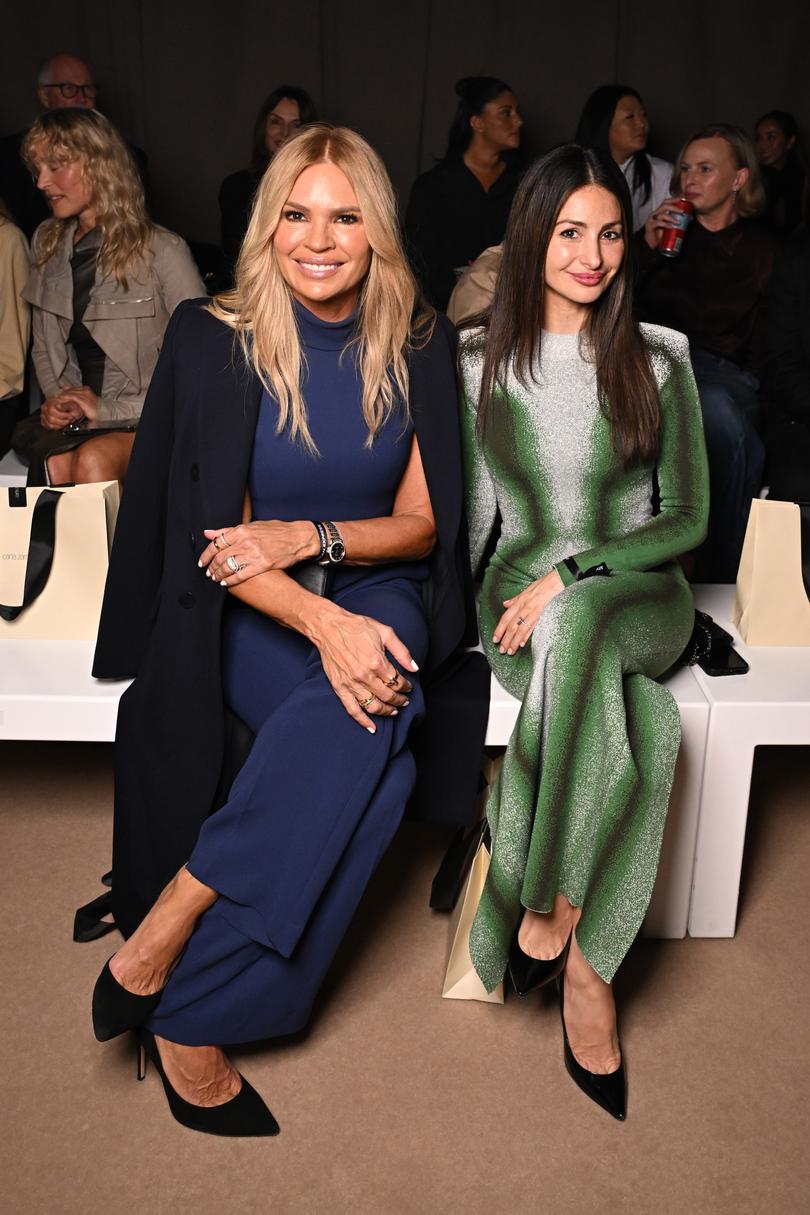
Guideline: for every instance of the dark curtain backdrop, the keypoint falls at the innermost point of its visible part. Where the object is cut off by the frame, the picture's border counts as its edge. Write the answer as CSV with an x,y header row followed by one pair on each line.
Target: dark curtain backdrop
x,y
184,78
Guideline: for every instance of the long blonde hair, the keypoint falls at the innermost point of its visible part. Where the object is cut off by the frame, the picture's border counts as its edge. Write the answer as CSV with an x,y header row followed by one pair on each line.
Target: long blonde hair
x,y
65,135
751,198
392,317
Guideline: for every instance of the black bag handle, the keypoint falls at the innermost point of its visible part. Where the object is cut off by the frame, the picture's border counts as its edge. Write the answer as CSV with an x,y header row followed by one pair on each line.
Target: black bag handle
x,y
40,547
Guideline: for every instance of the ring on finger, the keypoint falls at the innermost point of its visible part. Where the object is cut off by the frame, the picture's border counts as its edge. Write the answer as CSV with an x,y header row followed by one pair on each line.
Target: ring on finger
x,y
217,539
520,620
393,680
365,703
232,564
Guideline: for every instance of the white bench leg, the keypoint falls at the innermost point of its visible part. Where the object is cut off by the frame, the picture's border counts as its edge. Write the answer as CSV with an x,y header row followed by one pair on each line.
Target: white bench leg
x,y
723,816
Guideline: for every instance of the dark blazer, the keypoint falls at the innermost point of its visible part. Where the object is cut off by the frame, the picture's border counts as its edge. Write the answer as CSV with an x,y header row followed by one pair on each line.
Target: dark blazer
x,y
161,619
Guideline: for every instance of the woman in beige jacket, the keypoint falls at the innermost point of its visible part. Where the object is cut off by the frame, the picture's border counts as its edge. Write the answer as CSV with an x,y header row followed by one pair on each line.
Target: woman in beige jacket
x,y
104,282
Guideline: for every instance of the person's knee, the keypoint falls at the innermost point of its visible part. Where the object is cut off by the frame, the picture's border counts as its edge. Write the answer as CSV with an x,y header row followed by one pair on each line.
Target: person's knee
x,y
724,424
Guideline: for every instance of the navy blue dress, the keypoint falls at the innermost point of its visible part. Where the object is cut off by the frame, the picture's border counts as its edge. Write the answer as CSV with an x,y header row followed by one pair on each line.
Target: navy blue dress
x,y
319,799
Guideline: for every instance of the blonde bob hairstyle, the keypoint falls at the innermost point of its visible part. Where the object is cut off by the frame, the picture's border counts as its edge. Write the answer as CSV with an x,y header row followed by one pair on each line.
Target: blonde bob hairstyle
x,y
392,317
751,194
62,136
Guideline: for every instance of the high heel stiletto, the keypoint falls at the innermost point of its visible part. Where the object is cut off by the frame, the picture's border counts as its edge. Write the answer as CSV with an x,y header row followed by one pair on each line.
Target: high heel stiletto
x,y
243,1116
608,1090
115,1009
528,973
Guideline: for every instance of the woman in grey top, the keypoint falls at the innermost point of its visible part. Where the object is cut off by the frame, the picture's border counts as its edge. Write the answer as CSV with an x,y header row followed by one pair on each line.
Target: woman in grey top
x,y
103,284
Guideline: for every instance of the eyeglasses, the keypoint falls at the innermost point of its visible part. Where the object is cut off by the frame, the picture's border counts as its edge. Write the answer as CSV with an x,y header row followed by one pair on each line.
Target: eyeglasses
x,y
69,91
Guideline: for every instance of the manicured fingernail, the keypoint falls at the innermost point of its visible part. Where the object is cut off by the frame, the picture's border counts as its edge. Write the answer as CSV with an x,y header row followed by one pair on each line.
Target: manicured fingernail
x,y
394,712
407,702
199,565
414,667
501,649
371,729
224,582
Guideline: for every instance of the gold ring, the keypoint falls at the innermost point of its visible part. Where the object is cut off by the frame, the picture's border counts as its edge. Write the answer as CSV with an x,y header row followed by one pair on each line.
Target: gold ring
x,y
393,681
365,703
520,620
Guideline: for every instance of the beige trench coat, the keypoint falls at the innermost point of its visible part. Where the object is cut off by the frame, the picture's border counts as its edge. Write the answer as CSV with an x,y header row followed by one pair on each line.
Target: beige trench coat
x,y
127,323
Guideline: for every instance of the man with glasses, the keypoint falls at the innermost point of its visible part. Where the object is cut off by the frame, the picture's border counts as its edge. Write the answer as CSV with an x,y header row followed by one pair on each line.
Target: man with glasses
x,y
62,81
65,81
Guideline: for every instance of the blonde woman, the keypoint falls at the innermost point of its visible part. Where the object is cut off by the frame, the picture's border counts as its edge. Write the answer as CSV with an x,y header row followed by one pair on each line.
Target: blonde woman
x,y
307,416
104,281
715,292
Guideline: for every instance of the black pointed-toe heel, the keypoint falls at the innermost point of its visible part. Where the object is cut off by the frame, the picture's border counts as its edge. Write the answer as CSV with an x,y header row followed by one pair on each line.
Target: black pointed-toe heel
x,y
115,1009
609,1090
245,1115
528,973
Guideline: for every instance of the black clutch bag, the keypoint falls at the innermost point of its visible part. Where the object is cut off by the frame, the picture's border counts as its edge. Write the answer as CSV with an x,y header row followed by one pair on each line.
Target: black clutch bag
x,y
312,576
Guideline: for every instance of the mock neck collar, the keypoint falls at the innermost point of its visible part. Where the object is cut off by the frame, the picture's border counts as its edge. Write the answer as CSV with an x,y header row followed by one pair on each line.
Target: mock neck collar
x,y
324,335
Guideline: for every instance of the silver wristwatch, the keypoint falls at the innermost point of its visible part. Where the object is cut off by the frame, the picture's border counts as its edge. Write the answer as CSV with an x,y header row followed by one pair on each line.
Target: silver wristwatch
x,y
335,548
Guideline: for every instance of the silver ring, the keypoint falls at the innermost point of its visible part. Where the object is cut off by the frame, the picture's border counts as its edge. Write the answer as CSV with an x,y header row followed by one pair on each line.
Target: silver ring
x,y
520,620
221,537
232,564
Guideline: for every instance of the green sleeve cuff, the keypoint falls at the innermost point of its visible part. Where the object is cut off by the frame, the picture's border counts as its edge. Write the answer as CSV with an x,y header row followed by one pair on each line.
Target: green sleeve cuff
x,y
566,577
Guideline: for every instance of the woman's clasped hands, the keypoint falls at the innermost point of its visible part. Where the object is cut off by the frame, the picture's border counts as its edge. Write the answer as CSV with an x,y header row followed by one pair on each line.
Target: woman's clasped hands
x,y
236,554
71,405
523,612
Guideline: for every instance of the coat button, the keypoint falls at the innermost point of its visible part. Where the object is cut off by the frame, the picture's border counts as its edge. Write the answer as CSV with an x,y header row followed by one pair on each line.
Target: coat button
x,y
195,472
186,600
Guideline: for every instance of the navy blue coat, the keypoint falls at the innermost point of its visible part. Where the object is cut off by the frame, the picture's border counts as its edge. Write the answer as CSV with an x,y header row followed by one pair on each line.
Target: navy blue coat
x,y
161,619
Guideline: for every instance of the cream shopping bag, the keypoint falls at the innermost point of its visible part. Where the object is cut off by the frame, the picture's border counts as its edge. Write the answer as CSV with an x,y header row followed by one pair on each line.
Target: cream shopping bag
x,y
54,553
461,981
770,602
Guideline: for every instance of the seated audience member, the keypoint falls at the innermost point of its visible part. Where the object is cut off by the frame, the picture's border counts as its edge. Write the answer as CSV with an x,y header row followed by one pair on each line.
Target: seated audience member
x,y
614,119
461,206
475,288
104,281
282,113
63,82
714,291
15,325
787,432
784,173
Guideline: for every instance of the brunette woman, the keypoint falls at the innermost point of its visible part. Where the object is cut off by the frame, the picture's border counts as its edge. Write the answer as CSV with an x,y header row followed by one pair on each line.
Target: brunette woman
x,y
572,414
784,172
460,207
309,416
104,281
715,292
615,119
281,115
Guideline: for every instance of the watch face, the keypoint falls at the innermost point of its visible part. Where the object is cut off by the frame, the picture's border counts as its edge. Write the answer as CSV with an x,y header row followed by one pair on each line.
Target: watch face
x,y
337,551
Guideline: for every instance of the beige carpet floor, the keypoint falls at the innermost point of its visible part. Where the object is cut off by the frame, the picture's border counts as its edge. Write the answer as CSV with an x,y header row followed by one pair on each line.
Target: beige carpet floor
x,y
397,1101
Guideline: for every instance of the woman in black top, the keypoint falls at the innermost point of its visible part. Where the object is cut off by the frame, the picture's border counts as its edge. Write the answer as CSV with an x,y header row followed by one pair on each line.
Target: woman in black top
x,y
784,174
460,207
714,293
281,114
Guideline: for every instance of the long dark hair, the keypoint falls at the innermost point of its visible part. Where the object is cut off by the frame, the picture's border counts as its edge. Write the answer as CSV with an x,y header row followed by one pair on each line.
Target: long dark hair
x,y
594,124
628,393
259,158
474,92
790,130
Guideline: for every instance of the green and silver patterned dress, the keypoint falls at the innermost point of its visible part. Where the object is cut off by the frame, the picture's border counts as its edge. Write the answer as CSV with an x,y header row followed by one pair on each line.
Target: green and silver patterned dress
x,y
580,802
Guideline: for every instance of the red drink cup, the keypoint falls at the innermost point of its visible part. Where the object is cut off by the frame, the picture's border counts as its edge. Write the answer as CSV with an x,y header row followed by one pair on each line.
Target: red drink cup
x,y
671,242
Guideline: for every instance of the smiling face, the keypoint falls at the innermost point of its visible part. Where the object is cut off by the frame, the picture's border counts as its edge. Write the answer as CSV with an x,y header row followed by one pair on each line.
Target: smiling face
x,y
710,177
628,129
64,187
499,122
282,122
320,243
772,144
583,256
